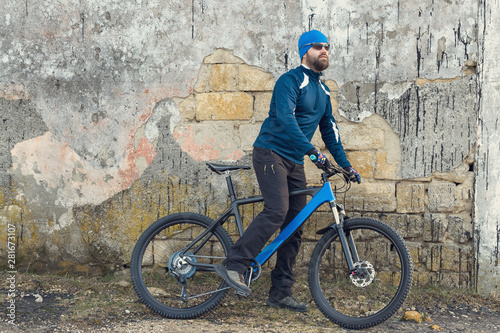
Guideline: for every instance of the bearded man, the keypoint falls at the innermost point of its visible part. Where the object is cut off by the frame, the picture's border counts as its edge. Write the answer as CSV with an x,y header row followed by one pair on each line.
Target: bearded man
x,y
300,103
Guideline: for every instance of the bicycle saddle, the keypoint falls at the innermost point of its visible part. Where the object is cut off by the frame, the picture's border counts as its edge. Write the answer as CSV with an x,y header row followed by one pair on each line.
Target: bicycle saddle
x,y
221,168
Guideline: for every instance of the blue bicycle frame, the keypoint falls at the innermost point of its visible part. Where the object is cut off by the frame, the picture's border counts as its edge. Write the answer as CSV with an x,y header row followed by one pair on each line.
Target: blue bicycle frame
x,y
325,194
320,195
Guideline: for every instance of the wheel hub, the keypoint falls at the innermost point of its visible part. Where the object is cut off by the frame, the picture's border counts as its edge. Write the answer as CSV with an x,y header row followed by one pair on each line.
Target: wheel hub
x,y
179,267
363,274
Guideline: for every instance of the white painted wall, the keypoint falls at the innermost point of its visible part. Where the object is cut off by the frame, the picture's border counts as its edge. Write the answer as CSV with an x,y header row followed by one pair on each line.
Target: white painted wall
x,y
487,188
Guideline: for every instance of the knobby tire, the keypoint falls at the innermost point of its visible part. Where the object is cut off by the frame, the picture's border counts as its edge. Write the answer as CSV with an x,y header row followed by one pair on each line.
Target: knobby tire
x,y
332,289
154,254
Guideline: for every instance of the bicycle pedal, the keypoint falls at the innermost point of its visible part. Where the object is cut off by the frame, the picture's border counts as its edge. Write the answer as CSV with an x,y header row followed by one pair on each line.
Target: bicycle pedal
x,y
241,293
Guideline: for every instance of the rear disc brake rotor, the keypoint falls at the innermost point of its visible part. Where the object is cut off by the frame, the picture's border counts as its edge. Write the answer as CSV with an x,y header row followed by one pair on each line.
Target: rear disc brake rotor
x,y
179,266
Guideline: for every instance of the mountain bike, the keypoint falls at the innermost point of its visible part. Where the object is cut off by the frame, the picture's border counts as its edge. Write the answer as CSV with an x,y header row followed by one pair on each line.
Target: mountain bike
x,y
359,273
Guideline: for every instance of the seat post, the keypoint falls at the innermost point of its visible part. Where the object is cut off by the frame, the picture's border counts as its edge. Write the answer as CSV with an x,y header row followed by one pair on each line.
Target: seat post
x,y
230,187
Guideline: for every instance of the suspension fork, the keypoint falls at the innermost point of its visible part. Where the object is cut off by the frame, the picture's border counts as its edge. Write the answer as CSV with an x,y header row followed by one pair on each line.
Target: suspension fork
x,y
346,240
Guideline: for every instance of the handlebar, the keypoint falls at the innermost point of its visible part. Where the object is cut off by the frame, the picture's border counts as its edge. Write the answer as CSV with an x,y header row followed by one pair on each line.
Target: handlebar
x,y
334,169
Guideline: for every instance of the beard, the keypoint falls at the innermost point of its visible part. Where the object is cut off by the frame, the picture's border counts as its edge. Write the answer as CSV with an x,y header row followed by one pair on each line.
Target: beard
x,y
319,64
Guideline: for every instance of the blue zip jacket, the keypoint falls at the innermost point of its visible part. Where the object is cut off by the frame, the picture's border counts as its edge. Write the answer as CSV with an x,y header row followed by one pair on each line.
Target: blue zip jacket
x,y
300,103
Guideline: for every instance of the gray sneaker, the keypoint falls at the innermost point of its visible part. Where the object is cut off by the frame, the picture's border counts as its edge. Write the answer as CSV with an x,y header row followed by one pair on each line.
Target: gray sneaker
x,y
233,279
288,302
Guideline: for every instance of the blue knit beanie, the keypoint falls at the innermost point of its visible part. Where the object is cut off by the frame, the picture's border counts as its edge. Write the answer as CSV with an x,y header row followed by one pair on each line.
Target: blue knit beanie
x,y
313,36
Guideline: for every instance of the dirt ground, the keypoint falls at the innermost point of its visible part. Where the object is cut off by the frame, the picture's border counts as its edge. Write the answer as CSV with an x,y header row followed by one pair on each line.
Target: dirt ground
x,y
51,303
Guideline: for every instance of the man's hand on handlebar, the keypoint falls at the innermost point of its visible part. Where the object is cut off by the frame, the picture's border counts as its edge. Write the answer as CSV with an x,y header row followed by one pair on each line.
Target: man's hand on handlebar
x,y
319,159
352,175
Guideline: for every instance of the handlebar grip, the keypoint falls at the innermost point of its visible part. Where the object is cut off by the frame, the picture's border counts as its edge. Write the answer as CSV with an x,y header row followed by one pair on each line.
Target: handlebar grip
x,y
354,178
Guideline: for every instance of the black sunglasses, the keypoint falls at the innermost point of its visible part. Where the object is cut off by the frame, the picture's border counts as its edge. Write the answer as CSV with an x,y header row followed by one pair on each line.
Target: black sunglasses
x,y
317,46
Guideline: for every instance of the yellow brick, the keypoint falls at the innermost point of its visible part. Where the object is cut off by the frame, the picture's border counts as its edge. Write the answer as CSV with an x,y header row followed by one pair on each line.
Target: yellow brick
x,y
224,106
362,161
223,77
366,196
261,105
254,79
360,137
410,198
203,82
385,170
187,107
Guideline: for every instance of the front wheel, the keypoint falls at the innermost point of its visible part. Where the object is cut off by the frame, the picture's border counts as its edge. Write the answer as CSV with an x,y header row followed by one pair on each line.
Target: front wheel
x,y
375,289
172,280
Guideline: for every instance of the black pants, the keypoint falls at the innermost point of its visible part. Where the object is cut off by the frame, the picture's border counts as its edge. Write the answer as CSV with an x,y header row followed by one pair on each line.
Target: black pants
x,y
276,176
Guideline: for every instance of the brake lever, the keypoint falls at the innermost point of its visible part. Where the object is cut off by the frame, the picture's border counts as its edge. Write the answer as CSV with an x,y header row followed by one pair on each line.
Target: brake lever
x,y
349,177
353,178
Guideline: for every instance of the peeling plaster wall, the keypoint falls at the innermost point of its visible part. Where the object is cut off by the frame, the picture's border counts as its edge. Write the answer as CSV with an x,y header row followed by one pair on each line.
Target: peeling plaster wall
x,y
435,121
102,128
13,131
487,186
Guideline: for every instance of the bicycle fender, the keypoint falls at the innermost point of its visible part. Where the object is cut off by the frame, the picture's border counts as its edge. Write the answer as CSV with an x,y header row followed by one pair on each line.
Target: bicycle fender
x,y
324,230
331,226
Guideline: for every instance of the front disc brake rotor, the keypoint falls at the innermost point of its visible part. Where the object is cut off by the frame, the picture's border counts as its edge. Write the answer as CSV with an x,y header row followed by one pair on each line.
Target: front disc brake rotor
x,y
363,274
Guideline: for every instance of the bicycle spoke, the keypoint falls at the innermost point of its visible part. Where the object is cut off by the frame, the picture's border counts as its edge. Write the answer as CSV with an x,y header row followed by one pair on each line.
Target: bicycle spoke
x,y
165,246
172,280
377,286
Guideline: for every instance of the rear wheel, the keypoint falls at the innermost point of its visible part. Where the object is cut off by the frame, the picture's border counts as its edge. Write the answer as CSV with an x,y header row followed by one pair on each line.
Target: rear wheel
x,y
161,272
377,287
